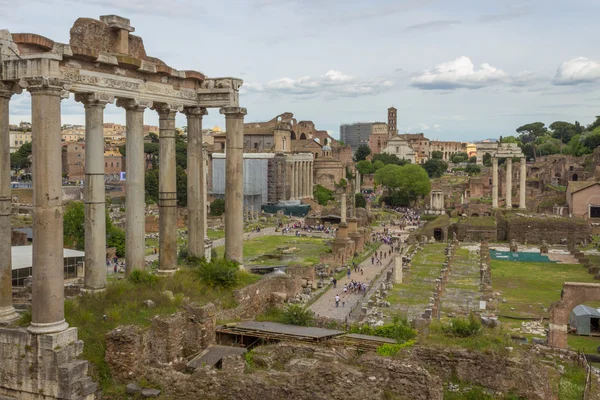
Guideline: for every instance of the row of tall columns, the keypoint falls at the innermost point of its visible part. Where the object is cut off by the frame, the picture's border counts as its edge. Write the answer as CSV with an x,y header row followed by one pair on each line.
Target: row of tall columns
x,y
7,311
301,182
522,183
48,259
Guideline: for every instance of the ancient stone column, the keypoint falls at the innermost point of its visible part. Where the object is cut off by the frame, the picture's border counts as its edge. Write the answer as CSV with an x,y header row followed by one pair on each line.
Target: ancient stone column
x,y
398,269
311,178
135,206
7,311
292,181
509,183
167,189
297,180
343,209
304,179
522,184
234,182
196,187
357,182
494,182
47,311
93,195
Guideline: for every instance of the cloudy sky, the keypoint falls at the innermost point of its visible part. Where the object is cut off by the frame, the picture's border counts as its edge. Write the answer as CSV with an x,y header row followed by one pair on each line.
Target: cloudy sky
x,y
454,69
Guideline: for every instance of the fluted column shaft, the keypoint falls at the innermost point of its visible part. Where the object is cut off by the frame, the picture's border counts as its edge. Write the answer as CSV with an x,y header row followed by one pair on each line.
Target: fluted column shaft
x,y
312,177
167,189
7,311
93,196
47,314
135,206
292,181
522,184
303,179
509,183
234,182
494,182
196,187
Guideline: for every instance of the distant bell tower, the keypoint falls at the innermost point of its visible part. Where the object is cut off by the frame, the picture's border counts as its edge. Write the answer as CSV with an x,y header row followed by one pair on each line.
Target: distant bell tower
x,y
392,122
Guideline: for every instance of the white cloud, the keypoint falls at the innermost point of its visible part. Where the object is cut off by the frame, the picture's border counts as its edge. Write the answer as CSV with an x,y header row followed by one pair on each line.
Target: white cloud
x,y
576,71
423,126
332,82
461,73
437,127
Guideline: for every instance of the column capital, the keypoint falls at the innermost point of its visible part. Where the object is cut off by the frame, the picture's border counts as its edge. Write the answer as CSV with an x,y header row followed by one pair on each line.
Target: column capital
x,y
494,160
47,86
233,112
94,99
134,104
508,160
7,89
195,112
167,110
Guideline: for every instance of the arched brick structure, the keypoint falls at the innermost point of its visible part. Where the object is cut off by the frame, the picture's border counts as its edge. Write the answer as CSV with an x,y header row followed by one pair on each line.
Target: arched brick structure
x,y
573,294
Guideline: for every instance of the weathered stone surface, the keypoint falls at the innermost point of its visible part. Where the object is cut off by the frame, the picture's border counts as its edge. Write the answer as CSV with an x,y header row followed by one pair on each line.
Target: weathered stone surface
x,y
148,393
133,388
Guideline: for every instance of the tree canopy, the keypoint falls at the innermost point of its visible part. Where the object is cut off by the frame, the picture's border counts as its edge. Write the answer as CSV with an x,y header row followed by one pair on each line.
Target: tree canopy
x,y
362,152
405,183
21,159
435,167
437,155
459,157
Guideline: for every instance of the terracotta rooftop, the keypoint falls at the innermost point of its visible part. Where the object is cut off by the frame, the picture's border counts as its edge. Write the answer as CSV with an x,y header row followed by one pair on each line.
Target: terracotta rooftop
x,y
576,186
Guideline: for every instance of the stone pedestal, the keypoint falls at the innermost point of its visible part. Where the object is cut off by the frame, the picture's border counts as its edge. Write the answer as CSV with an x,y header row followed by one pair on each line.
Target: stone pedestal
x,y
7,312
44,366
234,179
398,269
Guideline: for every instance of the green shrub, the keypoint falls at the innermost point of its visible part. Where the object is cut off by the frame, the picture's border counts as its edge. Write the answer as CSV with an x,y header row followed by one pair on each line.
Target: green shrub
x,y
360,201
218,273
217,207
390,350
139,276
399,330
322,194
295,314
463,327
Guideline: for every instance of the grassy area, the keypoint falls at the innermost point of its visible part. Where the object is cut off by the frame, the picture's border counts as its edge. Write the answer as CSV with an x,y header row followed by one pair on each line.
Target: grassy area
x,y
214,234
586,344
418,282
489,340
264,250
21,221
530,287
122,305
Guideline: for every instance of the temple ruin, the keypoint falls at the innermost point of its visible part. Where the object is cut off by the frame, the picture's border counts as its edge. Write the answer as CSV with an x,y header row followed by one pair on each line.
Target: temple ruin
x,y
102,63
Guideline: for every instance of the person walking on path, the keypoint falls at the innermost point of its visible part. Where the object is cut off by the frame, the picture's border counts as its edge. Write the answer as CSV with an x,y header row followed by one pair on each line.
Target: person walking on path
x,y
348,272
337,300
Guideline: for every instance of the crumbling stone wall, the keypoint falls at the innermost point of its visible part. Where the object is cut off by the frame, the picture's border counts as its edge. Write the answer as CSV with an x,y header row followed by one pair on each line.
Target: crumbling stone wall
x,y
256,298
130,350
534,229
303,372
523,375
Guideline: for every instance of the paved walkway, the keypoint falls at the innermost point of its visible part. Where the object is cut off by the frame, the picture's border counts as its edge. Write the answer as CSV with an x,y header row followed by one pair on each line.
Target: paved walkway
x,y
325,305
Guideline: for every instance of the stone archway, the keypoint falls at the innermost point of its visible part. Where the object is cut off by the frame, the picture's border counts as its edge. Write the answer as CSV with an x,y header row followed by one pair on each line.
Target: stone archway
x,y
574,178
573,294
293,135
438,234
302,136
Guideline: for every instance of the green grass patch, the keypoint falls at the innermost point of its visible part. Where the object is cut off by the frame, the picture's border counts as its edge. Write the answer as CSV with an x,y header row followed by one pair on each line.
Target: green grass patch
x,y
530,287
572,383
390,350
586,344
265,250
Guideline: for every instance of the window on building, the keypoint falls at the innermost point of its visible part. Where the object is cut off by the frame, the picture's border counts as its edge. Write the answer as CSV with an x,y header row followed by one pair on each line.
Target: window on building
x,y
594,211
111,164
105,164
16,142
117,164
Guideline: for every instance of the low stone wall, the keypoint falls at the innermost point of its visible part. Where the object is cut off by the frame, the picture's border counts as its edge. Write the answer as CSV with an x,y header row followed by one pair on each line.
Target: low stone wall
x,y
553,230
256,298
476,229
131,350
43,366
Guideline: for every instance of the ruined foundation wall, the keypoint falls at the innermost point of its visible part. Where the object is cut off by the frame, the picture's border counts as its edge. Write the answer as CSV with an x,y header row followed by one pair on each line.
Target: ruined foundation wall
x,y
45,367
130,350
553,230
